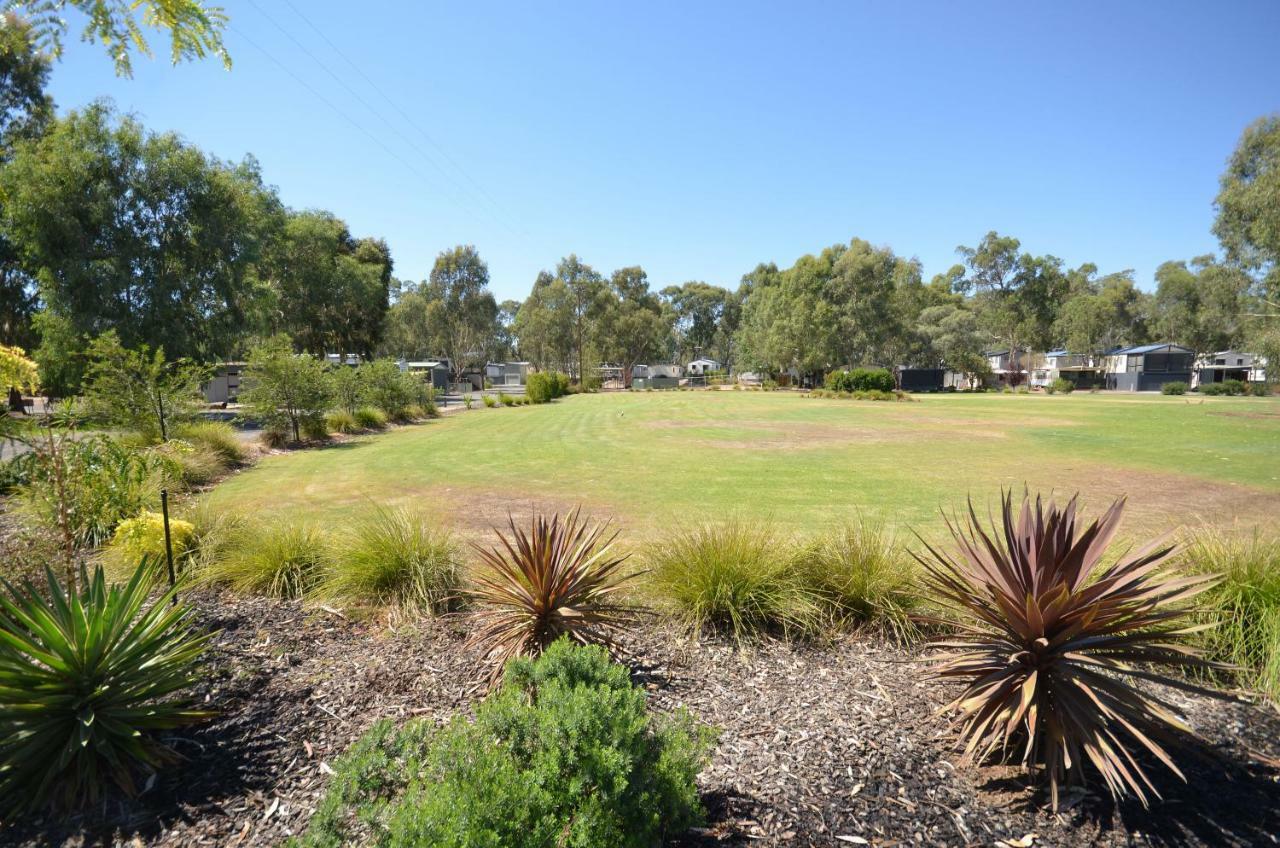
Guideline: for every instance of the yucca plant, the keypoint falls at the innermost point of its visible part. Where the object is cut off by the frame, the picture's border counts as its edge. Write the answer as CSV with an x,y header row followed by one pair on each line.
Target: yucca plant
x,y
558,578
86,680
1054,642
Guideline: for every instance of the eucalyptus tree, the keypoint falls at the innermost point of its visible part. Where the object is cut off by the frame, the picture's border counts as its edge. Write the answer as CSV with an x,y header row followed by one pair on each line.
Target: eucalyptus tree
x,y
634,325
466,314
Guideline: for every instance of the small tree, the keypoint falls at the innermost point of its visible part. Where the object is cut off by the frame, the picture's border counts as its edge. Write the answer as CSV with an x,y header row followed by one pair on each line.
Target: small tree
x,y
346,385
139,389
390,389
286,389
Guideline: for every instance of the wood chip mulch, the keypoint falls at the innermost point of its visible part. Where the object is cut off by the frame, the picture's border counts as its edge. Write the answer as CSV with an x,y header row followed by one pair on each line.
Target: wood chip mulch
x,y
827,745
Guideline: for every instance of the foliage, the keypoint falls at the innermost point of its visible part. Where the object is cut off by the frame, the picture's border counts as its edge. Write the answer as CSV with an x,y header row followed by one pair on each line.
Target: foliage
x,y
539,388
346,388
395,557
371,418
1056,640
1201,304
278,559
861,380
341,421
141,538
17,371
468,400
391,390
195,29
314,429
863,578
506,399
734,577
1174,387
140,390
1244,606
633,325
558,578
283,389
87,680
217,437
1062,385
1248,222
489,401
564,754
190,464
1226,387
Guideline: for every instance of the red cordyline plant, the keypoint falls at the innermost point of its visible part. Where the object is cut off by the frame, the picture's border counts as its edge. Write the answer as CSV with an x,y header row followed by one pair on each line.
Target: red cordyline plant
x,y
558,578
1054,645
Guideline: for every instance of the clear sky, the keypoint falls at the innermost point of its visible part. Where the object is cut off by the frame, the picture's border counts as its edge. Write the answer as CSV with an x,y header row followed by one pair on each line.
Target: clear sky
x,y
698,139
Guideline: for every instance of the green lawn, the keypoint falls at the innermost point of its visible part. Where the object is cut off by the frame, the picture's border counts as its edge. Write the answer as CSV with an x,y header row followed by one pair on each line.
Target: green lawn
x,y
652,460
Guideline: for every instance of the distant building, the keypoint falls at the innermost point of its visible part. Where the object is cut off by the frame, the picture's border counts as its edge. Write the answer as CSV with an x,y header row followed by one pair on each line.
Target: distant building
x,y
434,371
1229,365
1146,368
656,376
701,367
1012,370
224,386
501,374
349,359
1081,369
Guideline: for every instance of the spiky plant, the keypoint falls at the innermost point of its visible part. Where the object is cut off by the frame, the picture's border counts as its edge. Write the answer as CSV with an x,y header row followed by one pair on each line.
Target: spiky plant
x,y
1055,643
558,578
86,680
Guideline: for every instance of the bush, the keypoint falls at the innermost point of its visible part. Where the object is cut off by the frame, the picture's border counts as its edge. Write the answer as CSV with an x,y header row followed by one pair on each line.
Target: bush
x,y
559,384
391,390
1244,606
142,538
540,388
394,557
216,436
861,380
371,418
1215,389
1058,640
414,412
80,705
138,390
1259,389
278,559
315,429
564,754
1062,385
735,578
286,391
489,402
275,437
341,421
468,400
863,578
559,578
1175,387
506,399
193,465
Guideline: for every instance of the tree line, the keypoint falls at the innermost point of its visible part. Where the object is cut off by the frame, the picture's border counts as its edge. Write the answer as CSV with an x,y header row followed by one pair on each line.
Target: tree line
x,y
108,226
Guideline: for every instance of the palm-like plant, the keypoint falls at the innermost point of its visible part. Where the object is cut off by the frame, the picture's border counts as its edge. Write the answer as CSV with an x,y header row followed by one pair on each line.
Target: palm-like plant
x,y
1054,644
559,578
86,678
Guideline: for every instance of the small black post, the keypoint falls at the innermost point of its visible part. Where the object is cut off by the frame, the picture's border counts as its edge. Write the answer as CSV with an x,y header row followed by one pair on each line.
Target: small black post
x,y
168,542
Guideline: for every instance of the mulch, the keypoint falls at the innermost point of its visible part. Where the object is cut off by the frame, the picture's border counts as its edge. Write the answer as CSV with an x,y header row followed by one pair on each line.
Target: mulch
x,y
832,745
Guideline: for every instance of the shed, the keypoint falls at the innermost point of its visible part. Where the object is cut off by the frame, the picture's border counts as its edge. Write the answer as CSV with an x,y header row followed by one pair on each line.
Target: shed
x,y
1146,368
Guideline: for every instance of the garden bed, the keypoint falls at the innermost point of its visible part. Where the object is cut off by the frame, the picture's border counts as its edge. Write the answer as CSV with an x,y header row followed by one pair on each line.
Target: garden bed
x,y
827,745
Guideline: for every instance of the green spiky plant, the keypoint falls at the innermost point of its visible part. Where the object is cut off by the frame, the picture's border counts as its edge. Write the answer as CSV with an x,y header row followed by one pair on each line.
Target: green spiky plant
x,y
1054,643
87,679
558,578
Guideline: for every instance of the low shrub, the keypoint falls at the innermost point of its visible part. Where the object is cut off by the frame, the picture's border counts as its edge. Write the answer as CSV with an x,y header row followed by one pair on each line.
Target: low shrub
x,y
389,389
1259,389
87,684
1057,642
371,418
278,559
192,465
1214,389
142,538
863,578
394,557
506,399
413,412
216,436
558,578
861,380
341,421
560,384
314,429
1244,607
1175,387
489,401
540,388
1062,385
565,754
735,578
468,400
274,437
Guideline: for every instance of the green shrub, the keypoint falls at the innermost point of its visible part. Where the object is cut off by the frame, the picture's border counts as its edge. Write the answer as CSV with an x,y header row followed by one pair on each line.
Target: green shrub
x,y
278,559
341,421
314,429
216,436
142,538
371,418
192,465
274,436
285,390
489,402
506,399
391,390
861,380
1259,389
468,400
540,388
769,385
734,577
564,754
1062,385
413,412
1175,387
559,384
1244,606
87,682
394,557
1215,389
863,577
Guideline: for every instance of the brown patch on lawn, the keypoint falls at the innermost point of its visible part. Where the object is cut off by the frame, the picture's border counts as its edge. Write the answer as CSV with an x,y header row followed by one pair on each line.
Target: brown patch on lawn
x,y
799,435
1265,416
476,513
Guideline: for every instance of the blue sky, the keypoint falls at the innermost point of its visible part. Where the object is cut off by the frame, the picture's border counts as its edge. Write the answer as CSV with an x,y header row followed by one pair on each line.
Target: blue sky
x,y
698,139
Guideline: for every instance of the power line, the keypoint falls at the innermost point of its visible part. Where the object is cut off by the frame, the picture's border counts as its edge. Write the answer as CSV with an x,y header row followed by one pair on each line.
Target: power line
x,y
458,191
394,105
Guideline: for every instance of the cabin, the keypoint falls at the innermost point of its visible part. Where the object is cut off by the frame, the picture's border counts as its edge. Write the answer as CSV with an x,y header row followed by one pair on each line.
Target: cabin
x,y
509,374
1081,369
1146,368
911,379
1229,365
436,372
656,376
1012,370
702,367
224,386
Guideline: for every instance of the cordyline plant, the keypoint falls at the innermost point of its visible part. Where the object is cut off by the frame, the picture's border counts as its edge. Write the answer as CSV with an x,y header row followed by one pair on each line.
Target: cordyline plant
x,y
1054,645
558,578
86,680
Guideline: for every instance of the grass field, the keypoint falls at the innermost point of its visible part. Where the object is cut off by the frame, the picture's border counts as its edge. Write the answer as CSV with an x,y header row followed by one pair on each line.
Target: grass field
x,y
656,460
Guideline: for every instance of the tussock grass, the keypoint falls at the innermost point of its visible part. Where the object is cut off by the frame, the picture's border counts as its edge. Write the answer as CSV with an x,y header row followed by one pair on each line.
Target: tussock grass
x,y
737,578
215,436
279,559
864,578
371,418
1245,606
394,557
341,421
